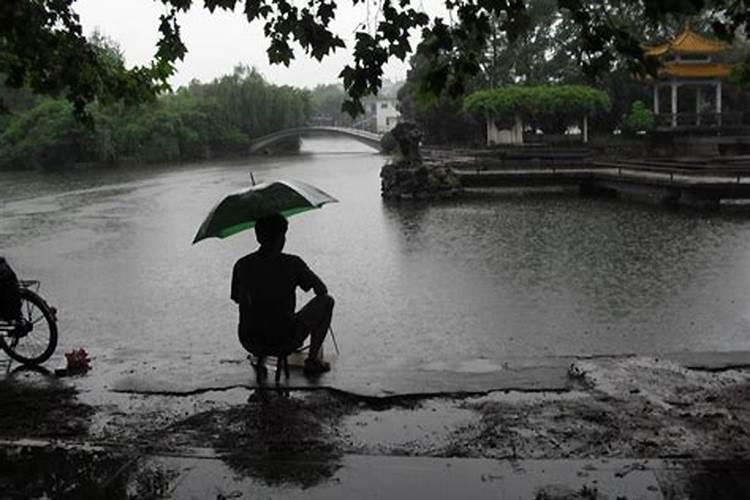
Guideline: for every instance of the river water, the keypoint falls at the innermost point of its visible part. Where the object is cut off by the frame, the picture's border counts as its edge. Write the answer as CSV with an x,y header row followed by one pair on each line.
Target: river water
x,y
491,278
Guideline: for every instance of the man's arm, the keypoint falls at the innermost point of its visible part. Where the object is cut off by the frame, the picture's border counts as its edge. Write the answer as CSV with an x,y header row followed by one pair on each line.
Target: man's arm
x,y
235,293
308,279
320,288
316,283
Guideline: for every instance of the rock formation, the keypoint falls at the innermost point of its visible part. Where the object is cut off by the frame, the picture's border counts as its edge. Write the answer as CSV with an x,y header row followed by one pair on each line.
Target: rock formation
x,y
407,176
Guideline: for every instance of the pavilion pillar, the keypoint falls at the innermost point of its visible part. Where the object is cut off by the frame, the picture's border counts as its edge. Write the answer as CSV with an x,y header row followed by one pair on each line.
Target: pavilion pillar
x,y
673,86
718,103
585,129
698,104
656,98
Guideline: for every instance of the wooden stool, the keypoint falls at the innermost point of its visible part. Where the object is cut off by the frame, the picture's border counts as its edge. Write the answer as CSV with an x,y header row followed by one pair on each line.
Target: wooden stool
x,y
282,363
261,372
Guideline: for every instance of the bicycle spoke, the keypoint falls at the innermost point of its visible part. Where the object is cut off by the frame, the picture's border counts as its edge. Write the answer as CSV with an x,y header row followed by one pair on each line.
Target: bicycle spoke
x,y
32,344
34,338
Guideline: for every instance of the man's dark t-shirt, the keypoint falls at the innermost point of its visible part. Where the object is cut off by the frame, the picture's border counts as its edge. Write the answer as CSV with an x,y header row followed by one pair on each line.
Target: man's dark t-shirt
x,y
264,284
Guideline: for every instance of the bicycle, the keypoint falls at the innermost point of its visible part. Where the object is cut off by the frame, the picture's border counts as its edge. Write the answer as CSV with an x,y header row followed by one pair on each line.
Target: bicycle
x,y
31,338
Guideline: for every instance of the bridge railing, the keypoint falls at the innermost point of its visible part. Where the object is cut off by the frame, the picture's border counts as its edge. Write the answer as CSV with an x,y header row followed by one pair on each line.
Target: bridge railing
x,y
368,123
371,138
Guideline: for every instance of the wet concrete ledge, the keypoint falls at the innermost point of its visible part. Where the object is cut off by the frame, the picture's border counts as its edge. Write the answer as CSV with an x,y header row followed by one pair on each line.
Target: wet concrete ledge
x,y
547,374
642,183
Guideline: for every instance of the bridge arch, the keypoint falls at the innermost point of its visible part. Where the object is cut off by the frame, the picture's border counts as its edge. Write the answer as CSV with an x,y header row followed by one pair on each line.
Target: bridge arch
x,y
371,139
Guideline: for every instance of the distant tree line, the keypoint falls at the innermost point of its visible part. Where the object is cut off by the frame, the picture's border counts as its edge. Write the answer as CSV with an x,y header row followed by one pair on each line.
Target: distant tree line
x,y
198,121
326,103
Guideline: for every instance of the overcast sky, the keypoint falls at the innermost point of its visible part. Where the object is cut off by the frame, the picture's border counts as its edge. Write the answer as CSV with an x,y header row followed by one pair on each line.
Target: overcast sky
x,y
217,42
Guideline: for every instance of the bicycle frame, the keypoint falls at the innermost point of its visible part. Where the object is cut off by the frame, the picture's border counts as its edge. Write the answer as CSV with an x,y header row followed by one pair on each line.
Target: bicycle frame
x,y
5,325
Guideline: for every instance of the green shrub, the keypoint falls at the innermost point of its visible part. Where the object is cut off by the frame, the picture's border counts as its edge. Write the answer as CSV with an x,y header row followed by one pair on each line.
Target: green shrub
x,y
639,118
46,136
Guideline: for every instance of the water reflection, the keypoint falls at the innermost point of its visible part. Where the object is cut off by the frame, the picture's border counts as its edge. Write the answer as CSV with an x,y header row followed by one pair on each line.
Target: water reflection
x,y
281,441
277,440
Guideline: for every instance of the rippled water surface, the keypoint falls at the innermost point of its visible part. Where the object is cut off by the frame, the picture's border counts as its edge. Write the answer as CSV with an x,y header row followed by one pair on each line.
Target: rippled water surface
x,y
514,275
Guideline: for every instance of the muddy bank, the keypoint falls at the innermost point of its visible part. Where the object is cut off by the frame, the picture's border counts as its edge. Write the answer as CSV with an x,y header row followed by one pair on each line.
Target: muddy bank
x,y
628,407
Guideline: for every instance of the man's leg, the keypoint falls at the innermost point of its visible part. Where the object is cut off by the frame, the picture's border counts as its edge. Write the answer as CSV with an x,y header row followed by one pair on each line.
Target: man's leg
x,y
314,319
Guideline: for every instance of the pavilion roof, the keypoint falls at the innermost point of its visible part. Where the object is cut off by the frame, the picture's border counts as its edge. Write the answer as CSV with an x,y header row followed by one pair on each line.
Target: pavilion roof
x,y
703,70
687,42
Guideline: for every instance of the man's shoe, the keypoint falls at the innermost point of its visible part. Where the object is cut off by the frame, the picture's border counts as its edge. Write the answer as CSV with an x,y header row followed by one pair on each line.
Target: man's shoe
x,y
315,366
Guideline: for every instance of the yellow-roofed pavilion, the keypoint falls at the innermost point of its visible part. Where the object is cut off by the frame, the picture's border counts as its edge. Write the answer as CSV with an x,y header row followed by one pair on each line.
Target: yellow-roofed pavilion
x,y
689,61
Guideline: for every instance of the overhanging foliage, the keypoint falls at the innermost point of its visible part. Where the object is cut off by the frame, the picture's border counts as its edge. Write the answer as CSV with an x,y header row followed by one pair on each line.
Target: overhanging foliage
x,y
42,44
536,101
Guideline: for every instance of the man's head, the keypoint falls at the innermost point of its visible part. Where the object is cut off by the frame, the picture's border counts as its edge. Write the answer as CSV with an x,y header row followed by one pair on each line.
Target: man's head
x,y
270,231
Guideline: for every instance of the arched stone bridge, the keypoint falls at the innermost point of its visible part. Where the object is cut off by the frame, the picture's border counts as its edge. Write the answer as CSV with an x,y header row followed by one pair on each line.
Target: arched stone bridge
x,y
371,139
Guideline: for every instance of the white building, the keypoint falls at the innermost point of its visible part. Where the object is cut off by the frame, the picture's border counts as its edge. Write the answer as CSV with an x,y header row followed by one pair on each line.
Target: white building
x,y
381,111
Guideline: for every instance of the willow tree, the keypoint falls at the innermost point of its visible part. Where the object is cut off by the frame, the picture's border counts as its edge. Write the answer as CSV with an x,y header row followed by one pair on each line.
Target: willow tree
x,y
505,109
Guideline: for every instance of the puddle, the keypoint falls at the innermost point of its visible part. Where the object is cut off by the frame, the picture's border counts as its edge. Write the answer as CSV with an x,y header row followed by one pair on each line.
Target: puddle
x,y
427,427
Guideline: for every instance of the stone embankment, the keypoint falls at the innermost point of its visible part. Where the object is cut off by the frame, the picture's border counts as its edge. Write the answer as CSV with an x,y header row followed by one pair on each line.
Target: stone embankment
x,y
508,158
698,182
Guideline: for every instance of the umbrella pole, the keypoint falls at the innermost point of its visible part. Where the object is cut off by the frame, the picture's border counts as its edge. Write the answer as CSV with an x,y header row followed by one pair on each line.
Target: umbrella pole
x,y
333,337
252,178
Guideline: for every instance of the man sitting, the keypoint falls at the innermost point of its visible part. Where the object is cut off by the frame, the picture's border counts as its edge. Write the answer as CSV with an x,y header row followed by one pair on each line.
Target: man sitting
x,y
264,284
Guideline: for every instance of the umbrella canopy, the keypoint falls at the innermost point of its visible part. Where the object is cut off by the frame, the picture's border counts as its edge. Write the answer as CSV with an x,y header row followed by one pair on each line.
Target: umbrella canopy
x,y
239,211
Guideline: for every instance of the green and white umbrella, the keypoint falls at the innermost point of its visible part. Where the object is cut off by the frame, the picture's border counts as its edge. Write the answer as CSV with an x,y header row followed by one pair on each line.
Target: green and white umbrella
x,y
240,210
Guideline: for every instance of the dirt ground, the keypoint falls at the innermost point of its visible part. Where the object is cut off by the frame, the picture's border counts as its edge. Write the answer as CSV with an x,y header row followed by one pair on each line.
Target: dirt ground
x,y
624,407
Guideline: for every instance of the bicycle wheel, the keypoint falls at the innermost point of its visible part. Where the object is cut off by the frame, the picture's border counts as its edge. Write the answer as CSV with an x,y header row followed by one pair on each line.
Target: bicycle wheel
x,y
34,339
